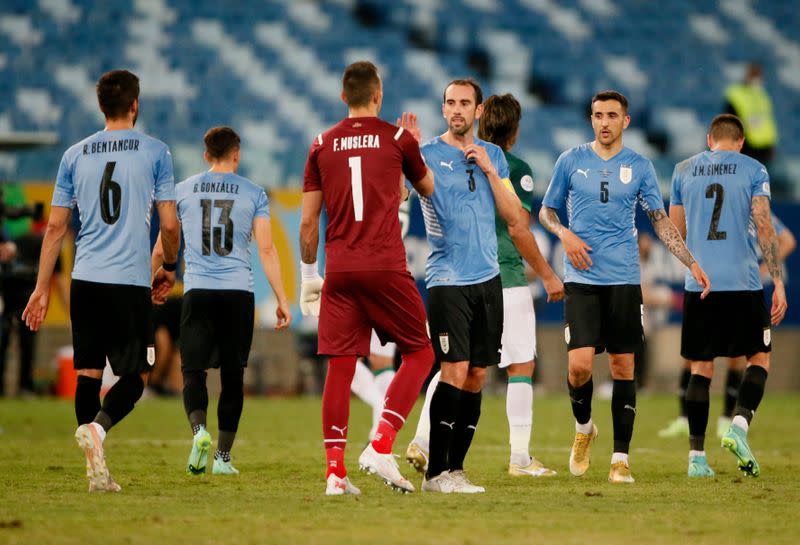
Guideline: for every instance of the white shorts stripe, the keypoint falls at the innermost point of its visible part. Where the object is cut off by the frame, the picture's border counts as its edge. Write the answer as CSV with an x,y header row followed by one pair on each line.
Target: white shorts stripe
x,y
398,133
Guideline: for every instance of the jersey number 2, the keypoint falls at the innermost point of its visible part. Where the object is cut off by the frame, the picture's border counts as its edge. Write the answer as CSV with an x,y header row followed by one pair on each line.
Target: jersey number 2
x,y
356,186
223,236
110,195
716,192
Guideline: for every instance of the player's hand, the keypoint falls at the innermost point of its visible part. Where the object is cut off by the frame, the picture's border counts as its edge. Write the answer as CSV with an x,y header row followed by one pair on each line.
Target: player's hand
x,y
162,285
36,310
702,278
554,288
310,296
779,304
284,316
477,153
577,250
409,123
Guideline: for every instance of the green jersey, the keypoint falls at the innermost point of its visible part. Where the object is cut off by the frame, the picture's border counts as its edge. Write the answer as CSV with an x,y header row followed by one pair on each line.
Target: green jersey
x,y
512,269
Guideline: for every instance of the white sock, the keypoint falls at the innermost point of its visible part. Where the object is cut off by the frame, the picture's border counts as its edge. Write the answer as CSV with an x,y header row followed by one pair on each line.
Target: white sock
x,y
693,453
741,422
619,457
382,381
584,428
100,431
423,433
519,410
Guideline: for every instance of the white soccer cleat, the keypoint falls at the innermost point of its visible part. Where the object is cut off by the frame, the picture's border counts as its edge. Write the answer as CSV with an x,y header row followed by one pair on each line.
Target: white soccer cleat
x,y
384,466
442,483
337,486
96,470
463,484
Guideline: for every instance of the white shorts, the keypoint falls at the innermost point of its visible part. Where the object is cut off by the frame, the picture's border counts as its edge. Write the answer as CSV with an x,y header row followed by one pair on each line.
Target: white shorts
x,y
519,327
375,347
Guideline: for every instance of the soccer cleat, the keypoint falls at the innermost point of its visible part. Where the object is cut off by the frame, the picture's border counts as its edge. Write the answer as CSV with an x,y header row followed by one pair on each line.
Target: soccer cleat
x,y
677,428
417,457
337,486
534,469
441,483
96,470
735,440
463,484
698,467
620,473
384,466
222,467
198,457
580,454
723,423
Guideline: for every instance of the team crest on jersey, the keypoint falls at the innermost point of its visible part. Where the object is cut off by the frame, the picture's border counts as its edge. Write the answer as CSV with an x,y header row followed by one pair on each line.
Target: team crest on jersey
x,y
767,336
625,174
444,342
527,183
151,355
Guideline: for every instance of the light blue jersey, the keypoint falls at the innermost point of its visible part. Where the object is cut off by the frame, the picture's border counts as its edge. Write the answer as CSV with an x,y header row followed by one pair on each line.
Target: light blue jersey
x,y
600,197
217,212
460,216
716,189
113,177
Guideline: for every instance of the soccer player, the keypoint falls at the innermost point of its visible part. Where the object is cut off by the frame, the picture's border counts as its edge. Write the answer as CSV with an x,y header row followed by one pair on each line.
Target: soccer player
x,y
600,183
499,124
716,196
112,176
354,169
465,301
218,210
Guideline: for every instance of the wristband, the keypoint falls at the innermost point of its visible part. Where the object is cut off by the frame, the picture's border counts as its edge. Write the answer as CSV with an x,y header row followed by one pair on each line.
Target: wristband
x,y
169,267
308,271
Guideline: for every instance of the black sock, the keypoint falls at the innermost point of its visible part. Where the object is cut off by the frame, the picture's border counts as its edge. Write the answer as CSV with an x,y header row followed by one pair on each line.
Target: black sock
x,y
87,399
697,406
231,399
732,383
224,455
623,413
195,398
686,374
469,412
444,412
581,398
751,391
120,400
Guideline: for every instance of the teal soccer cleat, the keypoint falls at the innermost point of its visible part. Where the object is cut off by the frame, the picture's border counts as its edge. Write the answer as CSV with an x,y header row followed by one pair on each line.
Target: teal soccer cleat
x,y
736,442
198,458
222,467
698,467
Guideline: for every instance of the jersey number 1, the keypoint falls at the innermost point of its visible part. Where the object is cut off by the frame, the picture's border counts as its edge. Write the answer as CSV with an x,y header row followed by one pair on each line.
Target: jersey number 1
x,y
223,236
110,195
356,186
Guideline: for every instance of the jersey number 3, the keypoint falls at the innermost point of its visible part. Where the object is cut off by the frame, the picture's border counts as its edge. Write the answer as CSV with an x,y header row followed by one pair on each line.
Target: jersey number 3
x,y
223,236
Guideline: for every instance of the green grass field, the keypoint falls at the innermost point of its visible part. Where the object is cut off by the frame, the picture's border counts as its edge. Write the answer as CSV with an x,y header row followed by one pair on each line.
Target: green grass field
x,y
279,496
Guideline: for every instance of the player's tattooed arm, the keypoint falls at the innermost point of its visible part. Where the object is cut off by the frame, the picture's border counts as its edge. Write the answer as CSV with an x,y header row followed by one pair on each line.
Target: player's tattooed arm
x,y
767,238
549,219
670,236
576,249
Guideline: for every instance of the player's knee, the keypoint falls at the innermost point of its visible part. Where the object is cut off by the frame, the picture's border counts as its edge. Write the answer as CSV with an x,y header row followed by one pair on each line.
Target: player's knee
x,y
579,374
232,379
761,359
520,369
476,377
91,373
455,374
703,368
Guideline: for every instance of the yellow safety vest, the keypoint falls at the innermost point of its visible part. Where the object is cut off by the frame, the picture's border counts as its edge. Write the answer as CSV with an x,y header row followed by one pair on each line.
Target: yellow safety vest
x,y
754,108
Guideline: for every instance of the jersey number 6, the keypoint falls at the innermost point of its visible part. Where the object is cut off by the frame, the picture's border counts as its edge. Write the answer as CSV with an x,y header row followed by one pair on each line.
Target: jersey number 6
x,y
110,195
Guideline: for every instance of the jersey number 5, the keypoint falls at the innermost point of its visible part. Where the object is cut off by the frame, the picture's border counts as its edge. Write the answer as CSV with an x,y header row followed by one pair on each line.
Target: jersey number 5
x,y
110,195
223,236
356,186
716,192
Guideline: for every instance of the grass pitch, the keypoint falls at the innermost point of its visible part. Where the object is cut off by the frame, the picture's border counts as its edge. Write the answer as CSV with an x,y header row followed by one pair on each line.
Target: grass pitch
x,y
279,497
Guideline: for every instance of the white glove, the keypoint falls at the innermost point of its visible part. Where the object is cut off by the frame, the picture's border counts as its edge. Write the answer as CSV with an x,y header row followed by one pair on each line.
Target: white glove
x,y
310,289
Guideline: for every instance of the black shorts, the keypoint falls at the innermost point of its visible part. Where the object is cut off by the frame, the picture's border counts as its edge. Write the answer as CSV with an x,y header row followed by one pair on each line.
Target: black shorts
x,y
168,316
466,322
725,324
605,317
216,328
111,321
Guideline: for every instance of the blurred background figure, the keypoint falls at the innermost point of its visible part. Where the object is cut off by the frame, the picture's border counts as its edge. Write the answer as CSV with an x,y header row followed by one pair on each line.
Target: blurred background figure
x,y
750,102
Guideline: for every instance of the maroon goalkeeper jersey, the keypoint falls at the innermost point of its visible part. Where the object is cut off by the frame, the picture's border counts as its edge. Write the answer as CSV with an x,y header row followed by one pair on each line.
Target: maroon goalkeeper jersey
x,y
357,165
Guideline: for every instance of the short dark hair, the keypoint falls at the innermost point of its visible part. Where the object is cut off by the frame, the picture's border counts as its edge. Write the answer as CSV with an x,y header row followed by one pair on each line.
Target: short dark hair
x,y
609,94
499,121
116,92
359,82
220,141
726,127
465,81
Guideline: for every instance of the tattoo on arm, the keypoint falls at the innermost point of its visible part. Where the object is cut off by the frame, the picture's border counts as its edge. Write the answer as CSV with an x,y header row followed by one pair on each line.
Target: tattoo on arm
x,y
670,236
549,219
767,238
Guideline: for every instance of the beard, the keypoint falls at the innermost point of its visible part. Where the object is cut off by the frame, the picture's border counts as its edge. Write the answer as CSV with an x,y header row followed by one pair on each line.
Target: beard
x,y
462,130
